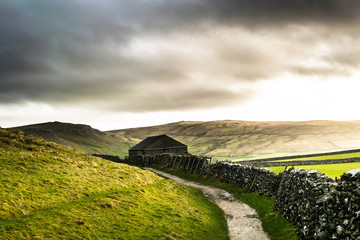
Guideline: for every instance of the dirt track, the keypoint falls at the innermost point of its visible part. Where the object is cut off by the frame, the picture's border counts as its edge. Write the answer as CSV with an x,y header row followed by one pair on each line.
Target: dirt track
x,y
242,220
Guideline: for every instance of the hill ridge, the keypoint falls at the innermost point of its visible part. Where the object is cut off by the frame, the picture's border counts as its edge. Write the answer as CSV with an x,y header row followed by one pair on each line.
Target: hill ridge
x,y
222,138
79,136
248,139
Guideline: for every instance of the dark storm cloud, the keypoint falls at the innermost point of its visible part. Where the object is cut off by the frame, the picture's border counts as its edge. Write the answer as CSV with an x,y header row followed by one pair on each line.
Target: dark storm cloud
x,y
48,47
180,13
74,51
19,46
285,11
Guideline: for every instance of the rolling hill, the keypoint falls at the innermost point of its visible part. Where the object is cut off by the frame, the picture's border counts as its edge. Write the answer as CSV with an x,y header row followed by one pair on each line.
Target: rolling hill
x,y
80,137
49,191
247,139
220,139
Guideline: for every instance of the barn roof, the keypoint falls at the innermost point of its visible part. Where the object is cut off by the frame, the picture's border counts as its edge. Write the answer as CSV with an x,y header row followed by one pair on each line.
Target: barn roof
x,y
157,142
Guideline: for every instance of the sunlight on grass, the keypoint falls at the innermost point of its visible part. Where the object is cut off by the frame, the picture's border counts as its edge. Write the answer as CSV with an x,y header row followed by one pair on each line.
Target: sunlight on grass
x,y
327,157
332,170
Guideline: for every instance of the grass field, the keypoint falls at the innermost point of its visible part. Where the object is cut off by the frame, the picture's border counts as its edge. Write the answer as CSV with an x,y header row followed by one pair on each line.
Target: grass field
x,y
332,170
326,157
248,157
52,192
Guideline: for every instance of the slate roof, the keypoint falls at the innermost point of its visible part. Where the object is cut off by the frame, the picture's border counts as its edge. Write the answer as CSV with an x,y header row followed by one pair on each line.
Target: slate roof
x,y
157,142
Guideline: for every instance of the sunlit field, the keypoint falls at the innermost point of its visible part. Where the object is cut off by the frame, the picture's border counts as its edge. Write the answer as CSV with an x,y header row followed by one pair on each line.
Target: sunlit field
x,y
332,170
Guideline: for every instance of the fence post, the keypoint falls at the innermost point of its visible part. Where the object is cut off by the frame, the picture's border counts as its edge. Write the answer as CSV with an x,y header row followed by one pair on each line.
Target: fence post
x,y
171,161
180,162
192,159
203,165
183,163
174,163
187,167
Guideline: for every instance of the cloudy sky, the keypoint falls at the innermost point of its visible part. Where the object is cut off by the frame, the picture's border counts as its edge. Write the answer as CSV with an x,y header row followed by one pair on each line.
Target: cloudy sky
x,y
124,63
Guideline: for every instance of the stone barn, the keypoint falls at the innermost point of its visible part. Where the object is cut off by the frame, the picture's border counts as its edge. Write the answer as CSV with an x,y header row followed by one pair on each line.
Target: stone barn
x,y
157,145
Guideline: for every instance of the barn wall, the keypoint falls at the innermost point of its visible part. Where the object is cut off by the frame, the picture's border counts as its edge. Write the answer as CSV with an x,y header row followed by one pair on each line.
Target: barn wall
x,y
176,150
182,150
135,153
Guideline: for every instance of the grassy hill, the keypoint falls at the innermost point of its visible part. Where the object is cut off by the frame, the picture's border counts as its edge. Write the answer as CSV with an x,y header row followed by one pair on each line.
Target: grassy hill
x,y
246,139
80,137
50,191
220,139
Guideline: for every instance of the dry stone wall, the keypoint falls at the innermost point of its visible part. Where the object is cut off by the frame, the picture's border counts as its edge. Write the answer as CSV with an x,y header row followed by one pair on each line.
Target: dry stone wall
x,y
247,177
307,155
320,207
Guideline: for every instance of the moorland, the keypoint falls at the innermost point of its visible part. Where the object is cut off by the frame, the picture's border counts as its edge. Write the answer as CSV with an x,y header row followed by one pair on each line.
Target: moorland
x,y
237,140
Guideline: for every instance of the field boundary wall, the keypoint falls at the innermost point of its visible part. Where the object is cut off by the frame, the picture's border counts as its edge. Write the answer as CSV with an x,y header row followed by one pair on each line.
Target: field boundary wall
x,y
300,162
307,155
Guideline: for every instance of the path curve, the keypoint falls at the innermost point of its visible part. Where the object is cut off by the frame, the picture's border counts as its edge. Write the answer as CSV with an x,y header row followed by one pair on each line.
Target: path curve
x,y
242,220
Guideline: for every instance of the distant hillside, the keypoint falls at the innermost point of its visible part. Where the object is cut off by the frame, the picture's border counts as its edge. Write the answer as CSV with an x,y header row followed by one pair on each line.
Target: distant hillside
x,y
80,137
256,139
48,191
222,139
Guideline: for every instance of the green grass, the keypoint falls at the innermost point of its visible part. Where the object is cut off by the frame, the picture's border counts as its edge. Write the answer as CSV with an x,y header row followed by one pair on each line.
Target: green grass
x,y
52,192
164,210
247,157
273,223
332,170
326,157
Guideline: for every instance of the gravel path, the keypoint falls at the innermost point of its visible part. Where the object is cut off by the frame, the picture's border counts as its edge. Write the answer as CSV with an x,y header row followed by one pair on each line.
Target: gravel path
x,y
242,220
